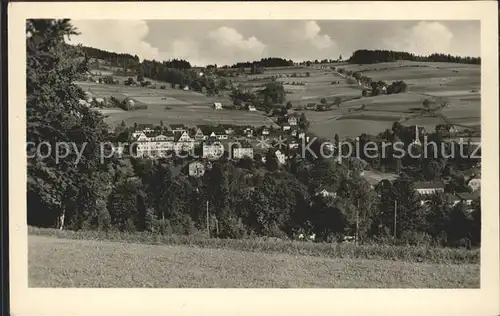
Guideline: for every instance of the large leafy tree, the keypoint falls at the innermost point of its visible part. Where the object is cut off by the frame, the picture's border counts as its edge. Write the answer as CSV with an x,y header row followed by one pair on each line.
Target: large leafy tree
x,y
55,117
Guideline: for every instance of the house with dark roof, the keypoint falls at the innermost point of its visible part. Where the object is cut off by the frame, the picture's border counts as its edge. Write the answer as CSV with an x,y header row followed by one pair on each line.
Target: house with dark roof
x,y
326,192
310,106
446,128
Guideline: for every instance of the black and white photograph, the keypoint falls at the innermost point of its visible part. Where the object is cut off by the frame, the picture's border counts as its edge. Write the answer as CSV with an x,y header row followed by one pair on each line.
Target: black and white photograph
x,y
328,153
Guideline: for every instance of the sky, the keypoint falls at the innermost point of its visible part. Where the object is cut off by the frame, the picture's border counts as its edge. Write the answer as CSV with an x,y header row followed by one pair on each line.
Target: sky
x,y
223,42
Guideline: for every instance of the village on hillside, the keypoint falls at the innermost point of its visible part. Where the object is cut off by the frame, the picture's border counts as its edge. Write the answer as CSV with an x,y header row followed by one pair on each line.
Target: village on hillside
x,y
251,160
251,112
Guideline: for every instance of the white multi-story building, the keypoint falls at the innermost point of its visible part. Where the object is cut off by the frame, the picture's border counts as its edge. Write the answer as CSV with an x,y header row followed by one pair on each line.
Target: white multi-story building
x,y
239,153
153,146
160,145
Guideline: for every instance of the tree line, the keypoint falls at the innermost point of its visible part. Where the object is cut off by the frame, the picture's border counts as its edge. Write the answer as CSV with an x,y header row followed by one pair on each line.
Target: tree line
x,y
365,56
264,62
121,60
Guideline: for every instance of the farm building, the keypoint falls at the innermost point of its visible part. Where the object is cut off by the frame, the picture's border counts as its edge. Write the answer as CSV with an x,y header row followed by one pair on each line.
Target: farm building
x,y
327,192
311,106
252,108
129,104
447,128
217,106
186,88
84,102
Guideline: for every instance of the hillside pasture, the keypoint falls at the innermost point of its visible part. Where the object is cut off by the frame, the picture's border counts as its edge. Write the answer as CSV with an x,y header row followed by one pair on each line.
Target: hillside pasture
x,y
348,127
172,106
189,115
457,84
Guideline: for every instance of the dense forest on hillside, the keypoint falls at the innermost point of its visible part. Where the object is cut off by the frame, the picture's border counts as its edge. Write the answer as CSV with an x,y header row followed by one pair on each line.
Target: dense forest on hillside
x,y
362,56
114,59
365,56
265,62
128,61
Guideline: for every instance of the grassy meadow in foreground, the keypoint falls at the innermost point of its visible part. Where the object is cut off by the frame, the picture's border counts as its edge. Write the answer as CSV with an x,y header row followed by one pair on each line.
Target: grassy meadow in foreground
x,y
59,262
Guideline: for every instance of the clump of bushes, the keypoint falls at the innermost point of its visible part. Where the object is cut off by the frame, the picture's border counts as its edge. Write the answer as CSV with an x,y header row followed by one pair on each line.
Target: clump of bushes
x,y
397,87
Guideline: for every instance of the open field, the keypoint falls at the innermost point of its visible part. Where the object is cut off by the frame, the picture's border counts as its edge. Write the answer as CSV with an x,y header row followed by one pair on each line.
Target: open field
x,y
54,262
170,106
458,84
188,115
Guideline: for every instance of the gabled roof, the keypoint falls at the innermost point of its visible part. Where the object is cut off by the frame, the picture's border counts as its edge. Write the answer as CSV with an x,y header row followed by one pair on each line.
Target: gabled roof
x,y
178,136
326,189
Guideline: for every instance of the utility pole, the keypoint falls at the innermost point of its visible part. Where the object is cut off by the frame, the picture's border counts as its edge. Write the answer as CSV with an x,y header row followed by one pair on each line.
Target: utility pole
x,y
357,223
395,217
217,227
208,223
